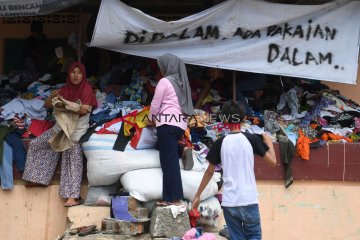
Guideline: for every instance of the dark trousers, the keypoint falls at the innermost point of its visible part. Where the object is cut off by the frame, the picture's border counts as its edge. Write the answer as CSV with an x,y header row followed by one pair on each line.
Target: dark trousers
x,y
168,136
287,152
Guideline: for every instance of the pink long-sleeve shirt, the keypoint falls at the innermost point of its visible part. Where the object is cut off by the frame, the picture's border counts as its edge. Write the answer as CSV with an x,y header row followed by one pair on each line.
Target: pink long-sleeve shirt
x,y
165,107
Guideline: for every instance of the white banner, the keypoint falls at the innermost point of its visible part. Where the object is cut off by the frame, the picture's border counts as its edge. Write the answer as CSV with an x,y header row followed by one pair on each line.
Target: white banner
x,y
309,41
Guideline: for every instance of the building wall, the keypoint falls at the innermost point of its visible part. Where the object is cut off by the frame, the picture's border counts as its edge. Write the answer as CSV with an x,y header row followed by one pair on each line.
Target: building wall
x,y
308,210
350,91
56,26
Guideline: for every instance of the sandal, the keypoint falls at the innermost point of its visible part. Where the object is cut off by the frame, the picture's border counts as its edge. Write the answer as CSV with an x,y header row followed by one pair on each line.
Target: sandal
x,y
176,203
84,230
165,204
289,181
33,184
74,231
78,201
162,203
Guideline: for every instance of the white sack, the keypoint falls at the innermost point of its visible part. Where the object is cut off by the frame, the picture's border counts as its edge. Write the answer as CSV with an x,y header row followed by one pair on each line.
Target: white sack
x,y
210,211
146,184
105,165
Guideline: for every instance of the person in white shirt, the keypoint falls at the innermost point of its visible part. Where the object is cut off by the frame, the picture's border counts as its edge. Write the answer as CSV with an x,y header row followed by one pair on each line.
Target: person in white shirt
x,y
235,152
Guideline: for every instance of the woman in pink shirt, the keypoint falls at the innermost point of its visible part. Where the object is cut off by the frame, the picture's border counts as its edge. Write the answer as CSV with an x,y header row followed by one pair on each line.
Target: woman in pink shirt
x,y
169,110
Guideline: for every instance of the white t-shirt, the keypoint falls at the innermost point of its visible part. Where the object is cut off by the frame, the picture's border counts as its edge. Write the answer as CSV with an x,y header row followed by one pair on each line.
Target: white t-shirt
x,y
235,153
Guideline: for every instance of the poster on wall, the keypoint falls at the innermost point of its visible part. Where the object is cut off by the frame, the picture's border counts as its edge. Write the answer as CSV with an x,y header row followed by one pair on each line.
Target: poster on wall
x,y
307,41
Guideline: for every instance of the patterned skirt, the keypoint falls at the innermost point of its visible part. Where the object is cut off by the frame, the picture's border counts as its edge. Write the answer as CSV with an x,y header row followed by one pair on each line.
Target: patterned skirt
x,y
41,162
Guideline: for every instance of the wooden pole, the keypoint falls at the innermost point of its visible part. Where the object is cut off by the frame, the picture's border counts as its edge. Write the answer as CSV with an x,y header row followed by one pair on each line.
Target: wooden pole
x,y
79,34
234,85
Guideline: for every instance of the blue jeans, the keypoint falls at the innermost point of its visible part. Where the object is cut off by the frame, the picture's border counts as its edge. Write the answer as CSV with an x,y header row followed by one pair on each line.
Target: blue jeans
x,y
243,222
6,168
18,148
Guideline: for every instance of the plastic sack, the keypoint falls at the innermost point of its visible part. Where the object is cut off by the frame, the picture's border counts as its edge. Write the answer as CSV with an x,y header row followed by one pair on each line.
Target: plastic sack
x,y
144,138
146,184
100,196
210,211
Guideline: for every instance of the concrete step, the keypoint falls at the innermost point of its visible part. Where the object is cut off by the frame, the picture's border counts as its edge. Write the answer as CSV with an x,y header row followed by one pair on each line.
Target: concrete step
x,y
82,215
101,236
114,226
87,215
163,224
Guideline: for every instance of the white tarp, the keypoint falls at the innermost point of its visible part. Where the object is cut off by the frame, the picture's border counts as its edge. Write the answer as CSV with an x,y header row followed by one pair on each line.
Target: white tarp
x,y
310,41
19,8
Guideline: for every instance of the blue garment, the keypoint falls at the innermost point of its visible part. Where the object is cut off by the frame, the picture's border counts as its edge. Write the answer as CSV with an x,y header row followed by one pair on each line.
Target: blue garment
x,y
135,89
18,148
104,115
6,168
246,84
111,98
242,100
110,110
243,222
104,80
34,108
168,136
315,111
199,232
247,81
131,104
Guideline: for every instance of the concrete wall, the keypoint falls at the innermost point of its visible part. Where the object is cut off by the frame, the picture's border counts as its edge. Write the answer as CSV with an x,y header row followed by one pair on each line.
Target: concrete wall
x,y
32,213
310,210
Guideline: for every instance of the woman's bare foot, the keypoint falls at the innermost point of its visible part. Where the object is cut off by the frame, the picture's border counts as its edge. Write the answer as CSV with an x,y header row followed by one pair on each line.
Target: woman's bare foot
x,y
73,202
176,202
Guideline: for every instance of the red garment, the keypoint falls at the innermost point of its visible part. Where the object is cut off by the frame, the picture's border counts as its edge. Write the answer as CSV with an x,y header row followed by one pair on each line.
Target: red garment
x,y
193,216
185,139
38,127
107,125
82,91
